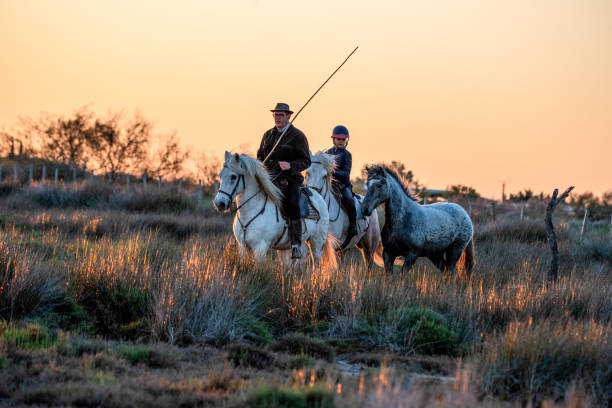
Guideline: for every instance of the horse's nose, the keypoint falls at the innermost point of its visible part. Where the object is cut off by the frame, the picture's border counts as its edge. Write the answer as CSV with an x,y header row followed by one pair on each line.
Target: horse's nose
x,y
220,205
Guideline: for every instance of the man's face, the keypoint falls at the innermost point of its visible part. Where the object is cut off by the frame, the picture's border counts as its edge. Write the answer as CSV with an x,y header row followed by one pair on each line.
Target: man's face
x,y
280,119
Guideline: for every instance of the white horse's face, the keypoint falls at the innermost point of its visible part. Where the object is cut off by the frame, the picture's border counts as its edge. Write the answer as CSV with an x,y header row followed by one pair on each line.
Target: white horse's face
x,y
232,185
316,176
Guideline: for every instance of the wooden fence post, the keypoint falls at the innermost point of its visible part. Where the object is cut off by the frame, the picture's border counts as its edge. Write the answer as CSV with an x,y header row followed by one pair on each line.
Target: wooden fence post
x,y
200,194
15,173
74,174
56,175
522,212
30,174
0,173
159,181
127,183
144,181
43,177
584,220
470,209
180,188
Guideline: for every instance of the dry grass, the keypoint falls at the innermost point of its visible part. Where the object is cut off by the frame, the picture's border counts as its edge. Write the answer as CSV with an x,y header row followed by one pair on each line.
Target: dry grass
x,y
177,278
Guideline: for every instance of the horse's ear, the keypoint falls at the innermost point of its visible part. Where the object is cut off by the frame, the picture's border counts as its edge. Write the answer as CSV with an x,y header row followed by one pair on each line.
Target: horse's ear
x,y
227,155
236,157
378,170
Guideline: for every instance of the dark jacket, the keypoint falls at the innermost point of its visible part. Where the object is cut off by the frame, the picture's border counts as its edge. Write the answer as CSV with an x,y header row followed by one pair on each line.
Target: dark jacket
x,y
293,148
344,162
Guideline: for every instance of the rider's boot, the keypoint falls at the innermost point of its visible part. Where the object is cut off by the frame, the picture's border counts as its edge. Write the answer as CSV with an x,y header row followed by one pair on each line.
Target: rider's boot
x,y
295,233
352,216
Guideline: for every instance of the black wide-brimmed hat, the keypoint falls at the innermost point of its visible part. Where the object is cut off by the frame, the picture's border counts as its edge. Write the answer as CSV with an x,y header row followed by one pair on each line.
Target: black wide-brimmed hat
x,y
281,107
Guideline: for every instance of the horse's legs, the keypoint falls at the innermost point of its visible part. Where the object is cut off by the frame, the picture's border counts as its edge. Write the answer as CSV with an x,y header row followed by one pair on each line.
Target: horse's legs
x,y
389,259
259,249
438,260
409,260
453,253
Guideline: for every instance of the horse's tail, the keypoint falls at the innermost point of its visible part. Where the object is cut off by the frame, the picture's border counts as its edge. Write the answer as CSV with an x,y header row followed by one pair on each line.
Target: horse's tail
x,y
469,258
330,259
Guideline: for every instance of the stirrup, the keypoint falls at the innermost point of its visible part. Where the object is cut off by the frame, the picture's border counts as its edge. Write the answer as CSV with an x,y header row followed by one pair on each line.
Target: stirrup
x,y
296,251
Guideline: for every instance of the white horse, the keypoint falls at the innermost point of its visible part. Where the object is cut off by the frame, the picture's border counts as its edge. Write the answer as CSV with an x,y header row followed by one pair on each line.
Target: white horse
x,y
258,224
319,178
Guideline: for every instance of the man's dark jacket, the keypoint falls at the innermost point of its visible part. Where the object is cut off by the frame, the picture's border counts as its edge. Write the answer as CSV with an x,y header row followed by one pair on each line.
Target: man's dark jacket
x,y
293,148
344,162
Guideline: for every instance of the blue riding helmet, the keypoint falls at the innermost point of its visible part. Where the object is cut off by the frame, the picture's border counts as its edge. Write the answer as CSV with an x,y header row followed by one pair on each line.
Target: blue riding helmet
x,y
340,132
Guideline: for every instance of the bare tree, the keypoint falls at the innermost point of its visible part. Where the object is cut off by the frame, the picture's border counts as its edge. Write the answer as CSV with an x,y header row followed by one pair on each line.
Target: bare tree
x,y
552,237
168,159
66,140
121,145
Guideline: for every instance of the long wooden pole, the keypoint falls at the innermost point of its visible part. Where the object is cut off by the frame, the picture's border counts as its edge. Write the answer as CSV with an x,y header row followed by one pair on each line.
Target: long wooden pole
x,y
309,99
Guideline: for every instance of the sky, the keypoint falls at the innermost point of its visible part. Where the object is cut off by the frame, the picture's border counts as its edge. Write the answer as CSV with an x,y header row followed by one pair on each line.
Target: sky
x,y
479,93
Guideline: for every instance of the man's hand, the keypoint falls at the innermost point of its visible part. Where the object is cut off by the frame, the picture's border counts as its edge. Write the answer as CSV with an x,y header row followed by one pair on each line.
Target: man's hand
x,y
284,165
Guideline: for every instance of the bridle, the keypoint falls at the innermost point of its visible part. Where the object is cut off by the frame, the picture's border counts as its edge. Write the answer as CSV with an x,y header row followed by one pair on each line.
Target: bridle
x,y
231,195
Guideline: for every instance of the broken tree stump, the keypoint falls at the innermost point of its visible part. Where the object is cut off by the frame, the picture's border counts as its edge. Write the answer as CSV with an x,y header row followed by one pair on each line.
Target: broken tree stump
x,y
550,229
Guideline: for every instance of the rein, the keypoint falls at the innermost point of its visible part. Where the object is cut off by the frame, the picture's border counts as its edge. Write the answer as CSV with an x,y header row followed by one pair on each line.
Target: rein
x,y
325,195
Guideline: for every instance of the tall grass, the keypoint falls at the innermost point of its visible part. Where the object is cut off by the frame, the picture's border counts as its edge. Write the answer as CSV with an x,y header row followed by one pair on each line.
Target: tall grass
x,y
178,277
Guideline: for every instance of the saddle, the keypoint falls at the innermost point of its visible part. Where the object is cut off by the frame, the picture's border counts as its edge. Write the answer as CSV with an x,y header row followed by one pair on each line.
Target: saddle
x,y
357,199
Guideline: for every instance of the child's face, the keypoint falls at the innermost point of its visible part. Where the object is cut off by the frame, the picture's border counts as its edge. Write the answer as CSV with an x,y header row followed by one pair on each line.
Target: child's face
x,y
338,142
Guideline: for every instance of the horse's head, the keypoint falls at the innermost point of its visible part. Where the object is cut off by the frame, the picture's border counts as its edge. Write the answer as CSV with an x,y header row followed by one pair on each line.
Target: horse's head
x,y
319,174
378,189
232,182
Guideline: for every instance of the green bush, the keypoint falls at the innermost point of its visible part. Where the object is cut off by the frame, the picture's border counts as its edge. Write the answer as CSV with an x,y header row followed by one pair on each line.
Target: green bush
x,y
276,397
297,343
118,313
32,337
419,330
249,356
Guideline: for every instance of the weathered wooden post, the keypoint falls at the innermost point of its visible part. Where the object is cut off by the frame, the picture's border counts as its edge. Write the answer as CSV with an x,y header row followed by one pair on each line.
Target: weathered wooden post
x,y
30,174
43,177
550,229
200,193
584,220
15,173
127,183
56,175
144,181
0,173
180,188
522,212
159,181
74,175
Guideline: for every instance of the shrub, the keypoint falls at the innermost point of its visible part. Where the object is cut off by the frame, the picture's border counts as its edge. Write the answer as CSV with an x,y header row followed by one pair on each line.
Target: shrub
x,y
27,287
297,343
536,361
33,336
276,397
418,330
249,356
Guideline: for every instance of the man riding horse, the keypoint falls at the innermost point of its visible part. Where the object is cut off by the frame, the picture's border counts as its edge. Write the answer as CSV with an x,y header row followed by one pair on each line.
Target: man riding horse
x,y
285,164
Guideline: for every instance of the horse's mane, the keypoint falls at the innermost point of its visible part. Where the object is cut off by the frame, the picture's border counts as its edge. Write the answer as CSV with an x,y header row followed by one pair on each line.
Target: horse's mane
x,y
328,161
255,169
394,174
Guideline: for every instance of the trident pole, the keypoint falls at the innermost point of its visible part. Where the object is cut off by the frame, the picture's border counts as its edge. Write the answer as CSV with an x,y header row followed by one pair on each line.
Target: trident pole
x,y
309,99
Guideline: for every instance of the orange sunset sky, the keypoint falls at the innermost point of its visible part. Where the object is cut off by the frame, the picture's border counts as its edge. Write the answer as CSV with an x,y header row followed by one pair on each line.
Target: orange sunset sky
x,y
463,92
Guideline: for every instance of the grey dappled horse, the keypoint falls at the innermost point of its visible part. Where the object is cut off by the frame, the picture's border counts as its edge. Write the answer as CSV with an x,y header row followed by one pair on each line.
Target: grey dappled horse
x,y
440,232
